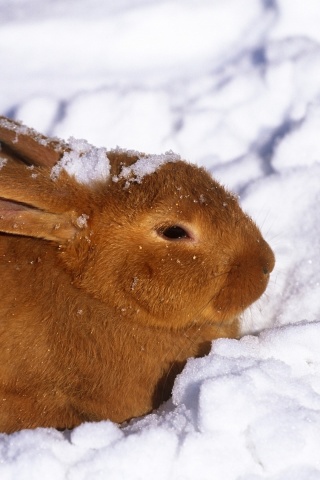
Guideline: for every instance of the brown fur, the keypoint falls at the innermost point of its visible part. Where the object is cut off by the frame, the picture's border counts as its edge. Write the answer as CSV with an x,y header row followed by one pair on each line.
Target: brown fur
x,y
96,320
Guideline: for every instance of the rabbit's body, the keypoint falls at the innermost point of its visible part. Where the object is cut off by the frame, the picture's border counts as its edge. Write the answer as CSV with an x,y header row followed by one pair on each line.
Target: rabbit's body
x,y
108,288
78,360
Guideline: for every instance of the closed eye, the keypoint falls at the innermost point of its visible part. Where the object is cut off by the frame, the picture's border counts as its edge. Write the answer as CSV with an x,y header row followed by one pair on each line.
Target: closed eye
x,y
174,232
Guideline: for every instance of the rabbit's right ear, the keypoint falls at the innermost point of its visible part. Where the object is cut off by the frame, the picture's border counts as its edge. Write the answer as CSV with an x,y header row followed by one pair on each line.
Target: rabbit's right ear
x,y
33,205
30,146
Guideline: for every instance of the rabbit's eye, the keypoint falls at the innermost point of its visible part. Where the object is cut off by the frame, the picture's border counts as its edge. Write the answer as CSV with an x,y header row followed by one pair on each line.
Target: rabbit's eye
x,y
174,232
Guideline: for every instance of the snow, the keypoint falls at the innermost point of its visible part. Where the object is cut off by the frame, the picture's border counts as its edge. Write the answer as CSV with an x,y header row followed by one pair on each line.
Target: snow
x,y
145,165
21,129
88,164
232,85
3,161
83,161
82,221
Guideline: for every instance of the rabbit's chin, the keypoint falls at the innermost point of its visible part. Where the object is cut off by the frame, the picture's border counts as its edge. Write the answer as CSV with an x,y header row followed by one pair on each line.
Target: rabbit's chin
x,y
229,305
221,318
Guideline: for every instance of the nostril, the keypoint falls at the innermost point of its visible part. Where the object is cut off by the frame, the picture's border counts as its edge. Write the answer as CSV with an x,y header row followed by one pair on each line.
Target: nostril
x,y
268,265
267,259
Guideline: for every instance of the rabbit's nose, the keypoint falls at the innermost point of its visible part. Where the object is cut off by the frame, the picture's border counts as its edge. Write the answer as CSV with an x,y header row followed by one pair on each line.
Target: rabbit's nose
x,y
267,258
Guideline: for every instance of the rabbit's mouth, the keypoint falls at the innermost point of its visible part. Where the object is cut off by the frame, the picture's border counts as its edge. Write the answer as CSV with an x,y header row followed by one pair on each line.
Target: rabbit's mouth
x,y
245,282
242,284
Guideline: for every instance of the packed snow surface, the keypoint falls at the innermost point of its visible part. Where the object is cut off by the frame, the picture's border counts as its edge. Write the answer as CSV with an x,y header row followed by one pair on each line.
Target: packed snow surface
x,y
233,85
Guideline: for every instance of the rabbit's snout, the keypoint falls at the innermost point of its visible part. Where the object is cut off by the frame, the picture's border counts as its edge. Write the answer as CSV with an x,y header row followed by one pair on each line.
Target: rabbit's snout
x,y
257,256
267,259
248,276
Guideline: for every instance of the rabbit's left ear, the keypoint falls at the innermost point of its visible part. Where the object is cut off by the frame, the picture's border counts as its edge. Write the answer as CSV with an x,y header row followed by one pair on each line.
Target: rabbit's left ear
x,y
30,204
30,146
19,219
33,205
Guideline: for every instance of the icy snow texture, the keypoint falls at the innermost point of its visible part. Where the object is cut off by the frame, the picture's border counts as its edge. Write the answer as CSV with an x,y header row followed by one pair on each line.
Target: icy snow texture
x,y
85,162
233,85
145,165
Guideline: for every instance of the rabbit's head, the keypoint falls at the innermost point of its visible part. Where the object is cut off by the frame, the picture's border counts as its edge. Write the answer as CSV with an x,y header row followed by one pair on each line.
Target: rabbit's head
x,y
166,248
173,249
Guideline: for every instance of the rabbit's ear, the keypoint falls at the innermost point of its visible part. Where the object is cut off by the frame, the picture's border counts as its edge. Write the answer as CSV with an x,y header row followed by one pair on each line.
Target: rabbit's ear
x,y
19,219
31,204
27,144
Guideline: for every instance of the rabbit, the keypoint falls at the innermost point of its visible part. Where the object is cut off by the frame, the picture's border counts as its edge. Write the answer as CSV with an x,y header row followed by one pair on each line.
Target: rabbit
x,y
108,287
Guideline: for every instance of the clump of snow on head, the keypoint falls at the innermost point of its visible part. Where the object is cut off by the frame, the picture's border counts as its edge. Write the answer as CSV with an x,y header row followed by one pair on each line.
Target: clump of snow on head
x,y
3,161
145,165
84,162
82,220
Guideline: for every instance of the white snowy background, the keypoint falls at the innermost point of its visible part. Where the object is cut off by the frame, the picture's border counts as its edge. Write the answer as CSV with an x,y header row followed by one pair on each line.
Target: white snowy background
x,y
233,85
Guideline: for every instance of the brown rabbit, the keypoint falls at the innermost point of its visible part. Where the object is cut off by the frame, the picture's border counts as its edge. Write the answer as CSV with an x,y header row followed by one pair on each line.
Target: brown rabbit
x,y
108,287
